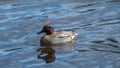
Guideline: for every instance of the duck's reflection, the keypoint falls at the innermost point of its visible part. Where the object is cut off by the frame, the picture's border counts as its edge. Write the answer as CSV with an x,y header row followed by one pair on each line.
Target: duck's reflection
x,y
47,54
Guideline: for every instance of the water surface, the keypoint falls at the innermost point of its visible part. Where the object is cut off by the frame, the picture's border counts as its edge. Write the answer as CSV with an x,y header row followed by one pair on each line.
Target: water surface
x,y
97,23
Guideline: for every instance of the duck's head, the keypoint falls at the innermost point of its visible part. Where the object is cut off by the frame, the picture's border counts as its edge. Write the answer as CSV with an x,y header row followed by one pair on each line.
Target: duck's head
x,y
48,29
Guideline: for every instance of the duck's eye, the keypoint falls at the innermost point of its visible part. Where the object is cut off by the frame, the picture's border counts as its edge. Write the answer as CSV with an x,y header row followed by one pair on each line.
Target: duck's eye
x,y
51,28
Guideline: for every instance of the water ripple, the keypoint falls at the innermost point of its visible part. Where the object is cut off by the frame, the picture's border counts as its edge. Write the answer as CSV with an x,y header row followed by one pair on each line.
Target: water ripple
x,y
87,5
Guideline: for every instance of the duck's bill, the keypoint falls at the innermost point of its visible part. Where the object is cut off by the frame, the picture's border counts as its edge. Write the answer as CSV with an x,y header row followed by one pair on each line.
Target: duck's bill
x,y
40,32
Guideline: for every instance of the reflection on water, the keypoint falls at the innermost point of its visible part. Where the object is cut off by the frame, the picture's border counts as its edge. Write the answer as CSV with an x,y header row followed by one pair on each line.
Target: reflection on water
x,y
97,23
50,57
47,52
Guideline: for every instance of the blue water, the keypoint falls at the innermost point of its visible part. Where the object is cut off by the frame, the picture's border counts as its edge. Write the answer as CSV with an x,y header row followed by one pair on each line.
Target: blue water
x,y
97,23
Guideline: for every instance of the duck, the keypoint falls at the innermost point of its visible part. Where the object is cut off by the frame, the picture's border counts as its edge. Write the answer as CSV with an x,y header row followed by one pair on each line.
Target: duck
x,y
52,37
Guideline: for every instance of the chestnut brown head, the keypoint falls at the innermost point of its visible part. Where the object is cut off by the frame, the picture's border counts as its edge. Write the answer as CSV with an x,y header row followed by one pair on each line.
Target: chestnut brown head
x,y
48,29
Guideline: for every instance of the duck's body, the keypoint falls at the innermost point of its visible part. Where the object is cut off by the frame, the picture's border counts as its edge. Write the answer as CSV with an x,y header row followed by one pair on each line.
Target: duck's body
x,y
59,37
52,37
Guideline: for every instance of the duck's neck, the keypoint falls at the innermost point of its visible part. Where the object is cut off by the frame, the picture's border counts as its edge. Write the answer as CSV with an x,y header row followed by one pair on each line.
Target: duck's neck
x,y
50,32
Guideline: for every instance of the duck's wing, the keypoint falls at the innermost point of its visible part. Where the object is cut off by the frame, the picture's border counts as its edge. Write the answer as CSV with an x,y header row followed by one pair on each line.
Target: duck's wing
x,y
63,34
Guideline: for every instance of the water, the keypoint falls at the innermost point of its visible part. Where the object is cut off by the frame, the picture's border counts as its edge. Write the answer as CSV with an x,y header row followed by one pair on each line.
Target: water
x,y
97,23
